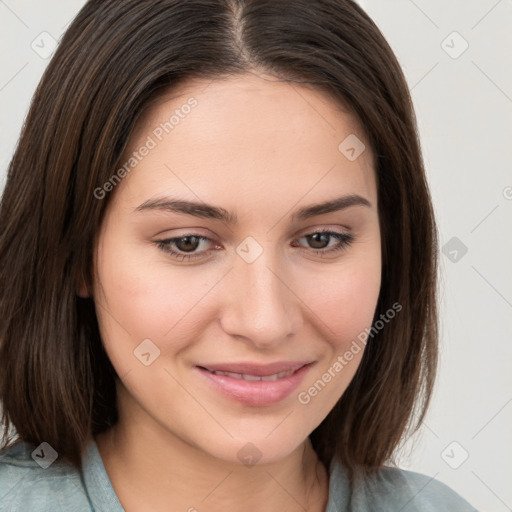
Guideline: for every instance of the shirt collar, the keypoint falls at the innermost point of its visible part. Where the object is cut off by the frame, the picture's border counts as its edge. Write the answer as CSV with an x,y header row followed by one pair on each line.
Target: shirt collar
x,y
99,490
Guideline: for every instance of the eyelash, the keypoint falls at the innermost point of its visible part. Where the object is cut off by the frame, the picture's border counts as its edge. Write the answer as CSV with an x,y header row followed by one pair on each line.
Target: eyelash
x,y
345,240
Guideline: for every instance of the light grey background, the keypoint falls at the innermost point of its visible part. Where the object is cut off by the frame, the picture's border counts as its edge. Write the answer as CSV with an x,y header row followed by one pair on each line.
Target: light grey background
x,y
463,101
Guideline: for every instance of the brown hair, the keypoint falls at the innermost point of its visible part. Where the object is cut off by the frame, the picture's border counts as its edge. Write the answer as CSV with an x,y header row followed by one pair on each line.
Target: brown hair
x,y
56,382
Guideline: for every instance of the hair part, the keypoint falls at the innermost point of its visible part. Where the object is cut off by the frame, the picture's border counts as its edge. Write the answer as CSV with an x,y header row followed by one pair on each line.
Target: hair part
x,y
56,381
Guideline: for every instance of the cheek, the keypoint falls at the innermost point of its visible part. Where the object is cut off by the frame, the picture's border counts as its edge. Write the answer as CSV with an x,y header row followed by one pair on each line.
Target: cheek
x,y
344,308
147,299
353,305
345,299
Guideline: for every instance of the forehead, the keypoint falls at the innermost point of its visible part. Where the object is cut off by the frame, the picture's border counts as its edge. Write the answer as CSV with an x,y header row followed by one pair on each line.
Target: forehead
x,y
246,136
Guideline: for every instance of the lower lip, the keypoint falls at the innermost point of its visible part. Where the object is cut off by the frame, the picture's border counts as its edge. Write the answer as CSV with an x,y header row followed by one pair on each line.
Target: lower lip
x,y
257,393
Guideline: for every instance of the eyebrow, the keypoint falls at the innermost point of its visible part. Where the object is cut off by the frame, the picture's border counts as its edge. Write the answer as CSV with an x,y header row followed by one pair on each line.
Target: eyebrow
x,y
207,211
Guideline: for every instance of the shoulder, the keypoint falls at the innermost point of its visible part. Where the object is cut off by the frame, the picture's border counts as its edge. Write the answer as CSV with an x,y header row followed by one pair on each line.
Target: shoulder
x,y
397,489
391,489
26,484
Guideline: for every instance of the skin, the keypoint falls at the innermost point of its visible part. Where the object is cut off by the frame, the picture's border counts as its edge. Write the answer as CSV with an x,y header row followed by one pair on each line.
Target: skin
x,y
261,148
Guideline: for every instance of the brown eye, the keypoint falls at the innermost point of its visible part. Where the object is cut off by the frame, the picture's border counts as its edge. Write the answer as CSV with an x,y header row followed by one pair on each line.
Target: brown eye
x,y
183,247
319,241
187,243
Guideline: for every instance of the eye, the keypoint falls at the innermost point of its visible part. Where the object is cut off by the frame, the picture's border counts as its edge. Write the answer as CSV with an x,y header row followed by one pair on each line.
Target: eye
x,y
188,244
319,240
185,244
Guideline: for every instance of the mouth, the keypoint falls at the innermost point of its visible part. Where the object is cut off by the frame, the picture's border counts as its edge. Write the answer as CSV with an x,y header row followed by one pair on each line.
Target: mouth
x,y
255,386
277,368
247,376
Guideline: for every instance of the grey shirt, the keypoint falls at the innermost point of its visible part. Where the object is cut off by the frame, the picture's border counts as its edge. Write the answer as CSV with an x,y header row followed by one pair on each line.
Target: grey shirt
x,y
25,486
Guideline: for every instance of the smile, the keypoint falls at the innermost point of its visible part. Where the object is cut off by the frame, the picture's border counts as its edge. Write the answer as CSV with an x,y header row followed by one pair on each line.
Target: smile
x,y
254,390
246,376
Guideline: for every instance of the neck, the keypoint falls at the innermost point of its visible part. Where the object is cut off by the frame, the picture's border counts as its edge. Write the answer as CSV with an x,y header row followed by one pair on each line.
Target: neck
x,y
152,469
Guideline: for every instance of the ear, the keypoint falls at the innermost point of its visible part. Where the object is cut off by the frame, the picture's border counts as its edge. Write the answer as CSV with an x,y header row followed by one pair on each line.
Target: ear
x,y
82,290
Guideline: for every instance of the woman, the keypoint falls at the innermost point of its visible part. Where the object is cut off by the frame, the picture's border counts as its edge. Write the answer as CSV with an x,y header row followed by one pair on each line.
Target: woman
x,y
218,266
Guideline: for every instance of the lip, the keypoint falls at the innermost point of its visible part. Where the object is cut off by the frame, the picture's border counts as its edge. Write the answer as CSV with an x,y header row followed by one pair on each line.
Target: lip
x,y
256,369
256,393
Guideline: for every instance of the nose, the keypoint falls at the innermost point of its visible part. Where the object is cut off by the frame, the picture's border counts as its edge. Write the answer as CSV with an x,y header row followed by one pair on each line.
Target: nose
x,y
261,307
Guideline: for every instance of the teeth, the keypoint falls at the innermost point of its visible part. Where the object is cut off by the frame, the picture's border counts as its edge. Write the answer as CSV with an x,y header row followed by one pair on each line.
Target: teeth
x,y
250,377
245,376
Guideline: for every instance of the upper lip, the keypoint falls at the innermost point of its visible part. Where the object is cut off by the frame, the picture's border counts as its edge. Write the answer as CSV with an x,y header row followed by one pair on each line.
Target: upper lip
x,y
256,369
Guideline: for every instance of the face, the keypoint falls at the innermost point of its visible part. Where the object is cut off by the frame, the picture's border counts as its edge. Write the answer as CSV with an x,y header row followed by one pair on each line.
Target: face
x,y
250,275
